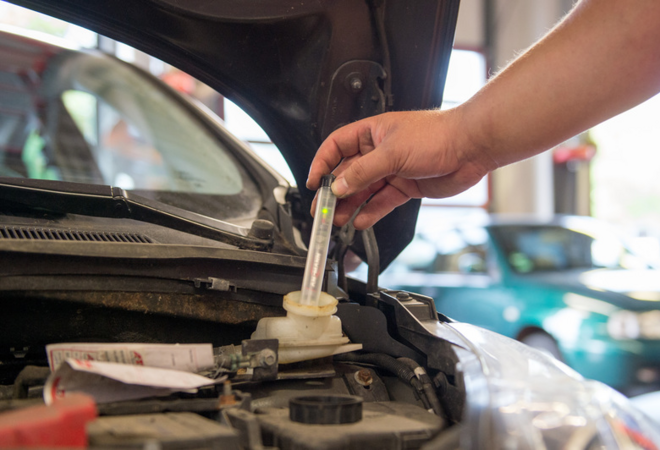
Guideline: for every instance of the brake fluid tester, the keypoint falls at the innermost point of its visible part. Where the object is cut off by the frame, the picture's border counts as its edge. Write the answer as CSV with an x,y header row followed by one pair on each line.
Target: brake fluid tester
x,y
319,243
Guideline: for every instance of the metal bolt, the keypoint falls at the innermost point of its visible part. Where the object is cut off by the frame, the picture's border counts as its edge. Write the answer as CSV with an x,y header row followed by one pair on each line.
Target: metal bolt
x,y
363,377
356,84
403,297
267,358
226,388
227,397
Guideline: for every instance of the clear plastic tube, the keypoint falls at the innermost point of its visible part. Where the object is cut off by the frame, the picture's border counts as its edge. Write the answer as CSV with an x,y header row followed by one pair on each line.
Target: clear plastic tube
x,y
319,243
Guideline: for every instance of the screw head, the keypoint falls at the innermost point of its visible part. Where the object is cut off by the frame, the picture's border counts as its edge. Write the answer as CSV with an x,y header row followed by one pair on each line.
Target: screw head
x,y
356,84
267,358
363,377
403,297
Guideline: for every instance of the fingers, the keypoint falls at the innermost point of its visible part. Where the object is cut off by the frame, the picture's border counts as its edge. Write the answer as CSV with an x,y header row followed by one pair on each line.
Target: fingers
x,y
362,172
338,171
388,195
397,191
347,207
381,204
347,141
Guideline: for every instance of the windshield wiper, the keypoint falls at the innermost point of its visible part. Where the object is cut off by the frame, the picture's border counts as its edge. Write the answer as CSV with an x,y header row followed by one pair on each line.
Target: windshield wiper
x,y
116,203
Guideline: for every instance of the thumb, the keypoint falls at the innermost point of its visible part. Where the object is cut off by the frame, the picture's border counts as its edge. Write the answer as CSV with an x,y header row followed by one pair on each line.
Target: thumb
x,y
362,172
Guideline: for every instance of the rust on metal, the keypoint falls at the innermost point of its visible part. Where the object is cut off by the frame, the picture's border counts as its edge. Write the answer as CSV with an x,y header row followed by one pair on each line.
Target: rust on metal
x,y
363,376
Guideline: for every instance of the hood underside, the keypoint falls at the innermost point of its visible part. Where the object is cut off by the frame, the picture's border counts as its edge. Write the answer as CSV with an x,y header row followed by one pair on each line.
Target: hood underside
x,y
300,68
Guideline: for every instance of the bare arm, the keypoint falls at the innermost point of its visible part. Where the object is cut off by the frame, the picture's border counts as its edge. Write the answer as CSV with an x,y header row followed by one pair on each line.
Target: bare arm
x,y
601,60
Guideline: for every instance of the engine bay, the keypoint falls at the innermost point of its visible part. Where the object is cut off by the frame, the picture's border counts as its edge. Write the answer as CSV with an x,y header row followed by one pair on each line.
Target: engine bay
x,y
391,394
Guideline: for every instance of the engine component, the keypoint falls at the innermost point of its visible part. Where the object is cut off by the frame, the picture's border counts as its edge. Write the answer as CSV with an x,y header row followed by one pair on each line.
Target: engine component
x,y
29,376
171,430
368,326
367,384
307,332
385,425
246,425
208,406
406,370
427,385
260,355
326,409
227,398
363,377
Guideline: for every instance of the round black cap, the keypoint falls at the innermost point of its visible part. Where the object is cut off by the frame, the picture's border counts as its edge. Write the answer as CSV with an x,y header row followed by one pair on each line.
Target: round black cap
x,y
262,229
327,180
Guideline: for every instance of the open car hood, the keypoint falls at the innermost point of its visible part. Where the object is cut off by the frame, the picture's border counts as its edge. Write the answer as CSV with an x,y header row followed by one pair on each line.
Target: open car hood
x,y
300,68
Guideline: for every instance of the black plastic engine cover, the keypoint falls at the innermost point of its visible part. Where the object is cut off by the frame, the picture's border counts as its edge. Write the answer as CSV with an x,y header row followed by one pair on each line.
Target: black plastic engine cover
x,y
384,426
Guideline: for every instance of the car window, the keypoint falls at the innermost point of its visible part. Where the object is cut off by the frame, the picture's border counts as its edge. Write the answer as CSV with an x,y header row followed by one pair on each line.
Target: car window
x,y
92,119
461,251
553,248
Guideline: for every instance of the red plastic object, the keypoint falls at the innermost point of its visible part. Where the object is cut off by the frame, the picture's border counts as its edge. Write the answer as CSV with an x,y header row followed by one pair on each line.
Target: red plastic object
x,y
61,424
584,152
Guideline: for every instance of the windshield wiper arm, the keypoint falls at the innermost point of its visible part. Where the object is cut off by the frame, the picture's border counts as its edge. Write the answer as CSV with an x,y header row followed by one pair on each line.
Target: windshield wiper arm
x,y
116,203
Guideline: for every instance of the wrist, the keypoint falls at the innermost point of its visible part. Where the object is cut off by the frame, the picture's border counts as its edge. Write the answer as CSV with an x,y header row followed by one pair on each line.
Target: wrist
x,y
472,140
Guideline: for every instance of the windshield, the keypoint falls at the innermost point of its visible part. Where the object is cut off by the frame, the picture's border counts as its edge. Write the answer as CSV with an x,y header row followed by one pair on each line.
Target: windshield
x,y
530,248
91,119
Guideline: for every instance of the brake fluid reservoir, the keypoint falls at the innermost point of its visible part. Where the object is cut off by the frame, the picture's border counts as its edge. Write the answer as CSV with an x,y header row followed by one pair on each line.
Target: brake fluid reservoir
x,y
310,329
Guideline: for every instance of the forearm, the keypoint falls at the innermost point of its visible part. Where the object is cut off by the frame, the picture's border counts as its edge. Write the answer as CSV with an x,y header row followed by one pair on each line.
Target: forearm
x,y
601,60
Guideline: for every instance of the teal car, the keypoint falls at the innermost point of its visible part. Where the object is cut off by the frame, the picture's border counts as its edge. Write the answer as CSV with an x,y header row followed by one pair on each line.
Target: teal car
x,y
567,286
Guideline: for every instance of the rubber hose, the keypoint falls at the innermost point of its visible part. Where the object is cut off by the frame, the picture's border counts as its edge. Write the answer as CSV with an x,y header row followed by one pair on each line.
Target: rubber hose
x,y
340,253
427,385
401,370
373,259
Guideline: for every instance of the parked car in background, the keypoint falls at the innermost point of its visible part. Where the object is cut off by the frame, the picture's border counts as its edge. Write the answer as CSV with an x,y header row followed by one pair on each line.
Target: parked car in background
x,y
567,286
129,214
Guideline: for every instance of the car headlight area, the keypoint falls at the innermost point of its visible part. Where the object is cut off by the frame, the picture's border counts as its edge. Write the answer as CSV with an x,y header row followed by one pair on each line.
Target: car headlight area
x,y
559,409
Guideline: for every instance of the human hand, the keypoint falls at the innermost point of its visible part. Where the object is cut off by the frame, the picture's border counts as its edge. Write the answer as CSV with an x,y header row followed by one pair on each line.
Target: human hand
x,y
394,157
